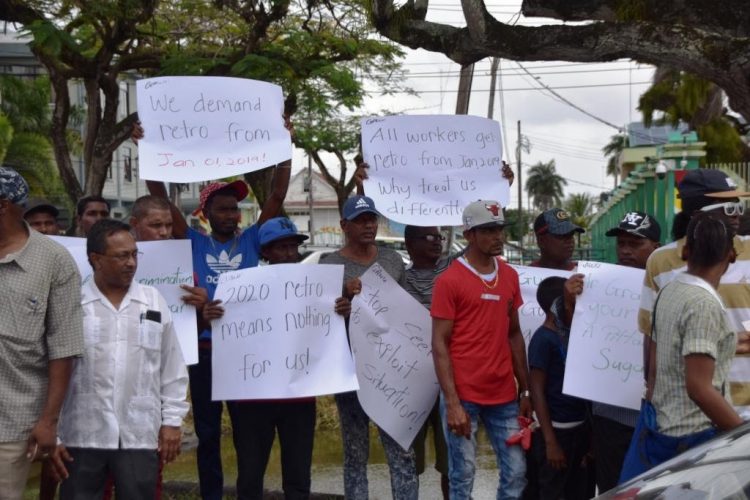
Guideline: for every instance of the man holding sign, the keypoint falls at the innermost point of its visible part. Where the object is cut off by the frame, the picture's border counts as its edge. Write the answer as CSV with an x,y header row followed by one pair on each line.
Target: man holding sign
x,y
226,249
255,423
478,347
360,225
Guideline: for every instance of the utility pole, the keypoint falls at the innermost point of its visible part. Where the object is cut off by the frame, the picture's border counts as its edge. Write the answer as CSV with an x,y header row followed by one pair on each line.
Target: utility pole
x,y
519,146
310,197
462,108
493,81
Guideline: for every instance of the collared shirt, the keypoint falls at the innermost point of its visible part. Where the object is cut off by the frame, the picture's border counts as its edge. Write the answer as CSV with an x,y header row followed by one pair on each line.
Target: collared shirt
x,y
420,282
40,320
690,319
131,379
734,289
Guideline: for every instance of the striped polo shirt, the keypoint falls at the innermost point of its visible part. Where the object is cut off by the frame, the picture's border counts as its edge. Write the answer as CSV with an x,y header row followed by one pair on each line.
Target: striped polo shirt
x,y
666,263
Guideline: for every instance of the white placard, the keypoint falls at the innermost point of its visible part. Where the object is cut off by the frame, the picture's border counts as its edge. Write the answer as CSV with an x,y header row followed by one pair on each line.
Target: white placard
x,y
200,128
165,265
391,337
425,169
279,336
605,351
530,315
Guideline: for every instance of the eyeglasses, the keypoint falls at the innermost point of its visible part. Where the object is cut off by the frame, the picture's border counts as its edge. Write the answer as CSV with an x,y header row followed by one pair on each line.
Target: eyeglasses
x,y
125,256
731,208
432,238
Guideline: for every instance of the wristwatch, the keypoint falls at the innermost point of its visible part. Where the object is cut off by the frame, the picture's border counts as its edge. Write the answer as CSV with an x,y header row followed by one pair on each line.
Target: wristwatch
x,y
524,394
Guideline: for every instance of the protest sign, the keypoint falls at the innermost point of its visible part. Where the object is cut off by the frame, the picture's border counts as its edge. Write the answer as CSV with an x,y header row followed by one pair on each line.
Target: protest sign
x,y
279,336
165,265
200,128
425,169
391,337
530,315
605,351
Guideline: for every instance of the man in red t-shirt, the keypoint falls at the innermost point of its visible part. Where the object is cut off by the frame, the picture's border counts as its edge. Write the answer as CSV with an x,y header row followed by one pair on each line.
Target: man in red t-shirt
x,y
480,354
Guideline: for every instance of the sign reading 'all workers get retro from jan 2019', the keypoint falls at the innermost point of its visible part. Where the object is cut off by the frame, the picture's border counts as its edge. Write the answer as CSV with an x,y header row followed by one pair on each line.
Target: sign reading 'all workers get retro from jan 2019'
x,y
165,265
425,169
280,336
391,338
201,128
605,351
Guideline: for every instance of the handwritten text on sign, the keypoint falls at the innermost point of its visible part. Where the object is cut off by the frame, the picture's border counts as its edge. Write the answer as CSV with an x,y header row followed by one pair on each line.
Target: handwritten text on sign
x,y
530,315
165,265
200,128
425,169
279,336
605,352
391,337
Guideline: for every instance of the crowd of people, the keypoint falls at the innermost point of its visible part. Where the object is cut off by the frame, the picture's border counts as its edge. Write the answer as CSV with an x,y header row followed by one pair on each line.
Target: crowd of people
x,y
94,385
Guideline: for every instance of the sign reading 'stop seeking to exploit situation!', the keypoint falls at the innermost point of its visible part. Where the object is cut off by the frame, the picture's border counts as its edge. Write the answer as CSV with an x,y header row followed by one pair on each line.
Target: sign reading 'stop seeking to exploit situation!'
x,y
201,128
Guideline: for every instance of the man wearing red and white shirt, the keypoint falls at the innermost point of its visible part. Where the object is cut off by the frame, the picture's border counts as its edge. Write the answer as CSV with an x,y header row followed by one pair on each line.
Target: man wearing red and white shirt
x,y
480,353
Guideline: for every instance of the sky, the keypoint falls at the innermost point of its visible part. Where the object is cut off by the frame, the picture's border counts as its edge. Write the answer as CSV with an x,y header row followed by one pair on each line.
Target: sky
x,y
554,129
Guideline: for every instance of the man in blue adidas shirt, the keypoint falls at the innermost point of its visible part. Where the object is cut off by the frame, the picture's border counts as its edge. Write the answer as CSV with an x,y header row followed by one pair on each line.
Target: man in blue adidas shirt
x,y
225,249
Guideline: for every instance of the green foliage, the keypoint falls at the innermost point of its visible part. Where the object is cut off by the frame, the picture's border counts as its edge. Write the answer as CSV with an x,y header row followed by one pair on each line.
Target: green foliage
x,y
520,225
26,102
612,150
6,136
677,97
545,185
32,156
580,206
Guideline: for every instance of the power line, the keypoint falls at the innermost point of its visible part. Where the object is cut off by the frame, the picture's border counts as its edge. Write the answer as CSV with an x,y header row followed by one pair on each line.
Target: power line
x,y
519,89
571,104
483,73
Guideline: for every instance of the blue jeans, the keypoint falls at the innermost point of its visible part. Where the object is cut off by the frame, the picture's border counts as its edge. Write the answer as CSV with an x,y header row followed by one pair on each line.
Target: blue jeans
x,y
500,422
207,422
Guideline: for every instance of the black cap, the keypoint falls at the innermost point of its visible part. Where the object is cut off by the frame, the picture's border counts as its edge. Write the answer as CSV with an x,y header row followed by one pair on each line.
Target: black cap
x,y
638,224
710,183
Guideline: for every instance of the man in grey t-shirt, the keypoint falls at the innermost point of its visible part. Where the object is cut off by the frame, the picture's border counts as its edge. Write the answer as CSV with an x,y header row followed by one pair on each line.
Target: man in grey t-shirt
x,y
360,226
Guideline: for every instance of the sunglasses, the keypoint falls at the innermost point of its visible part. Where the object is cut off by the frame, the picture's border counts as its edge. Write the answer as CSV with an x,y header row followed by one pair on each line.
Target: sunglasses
x,y
731,208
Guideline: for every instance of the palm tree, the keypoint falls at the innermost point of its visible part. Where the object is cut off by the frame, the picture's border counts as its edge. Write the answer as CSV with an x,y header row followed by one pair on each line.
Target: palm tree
x,y
612,151
580,206
25,104
545,185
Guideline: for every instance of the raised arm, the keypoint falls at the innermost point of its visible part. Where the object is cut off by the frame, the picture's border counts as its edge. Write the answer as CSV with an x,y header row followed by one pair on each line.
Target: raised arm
x,y
280,184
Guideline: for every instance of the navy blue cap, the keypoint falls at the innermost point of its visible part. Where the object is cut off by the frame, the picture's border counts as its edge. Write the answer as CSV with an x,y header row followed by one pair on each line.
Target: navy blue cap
x,y
278,228
13,187
555,221
638,224
358,205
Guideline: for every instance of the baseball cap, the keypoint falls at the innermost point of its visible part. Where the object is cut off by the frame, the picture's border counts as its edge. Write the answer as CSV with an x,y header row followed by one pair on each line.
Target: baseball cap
x,y
483,213
13,187
555,221
358,205
239,187
710,183
278,228
39,205
637,224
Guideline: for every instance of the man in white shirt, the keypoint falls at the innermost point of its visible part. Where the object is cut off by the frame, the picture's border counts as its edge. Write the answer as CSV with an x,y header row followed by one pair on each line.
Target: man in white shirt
x,y
126,400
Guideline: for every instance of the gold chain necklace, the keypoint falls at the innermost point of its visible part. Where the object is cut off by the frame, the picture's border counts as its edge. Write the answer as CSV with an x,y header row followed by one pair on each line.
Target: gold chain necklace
x,y
484,282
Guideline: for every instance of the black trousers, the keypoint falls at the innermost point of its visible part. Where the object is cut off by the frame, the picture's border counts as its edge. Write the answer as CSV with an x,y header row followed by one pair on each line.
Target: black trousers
x,y
574,482
134,473
611,442
254,427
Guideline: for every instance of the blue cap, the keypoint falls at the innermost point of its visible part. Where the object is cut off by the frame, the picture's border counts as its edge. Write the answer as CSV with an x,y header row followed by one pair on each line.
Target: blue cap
x,y
278,228
358,205
13,187
555,221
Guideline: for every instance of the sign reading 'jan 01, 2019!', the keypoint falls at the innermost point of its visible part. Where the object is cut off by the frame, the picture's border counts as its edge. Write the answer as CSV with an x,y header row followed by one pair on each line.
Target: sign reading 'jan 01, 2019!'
x,y
201,128
425,169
